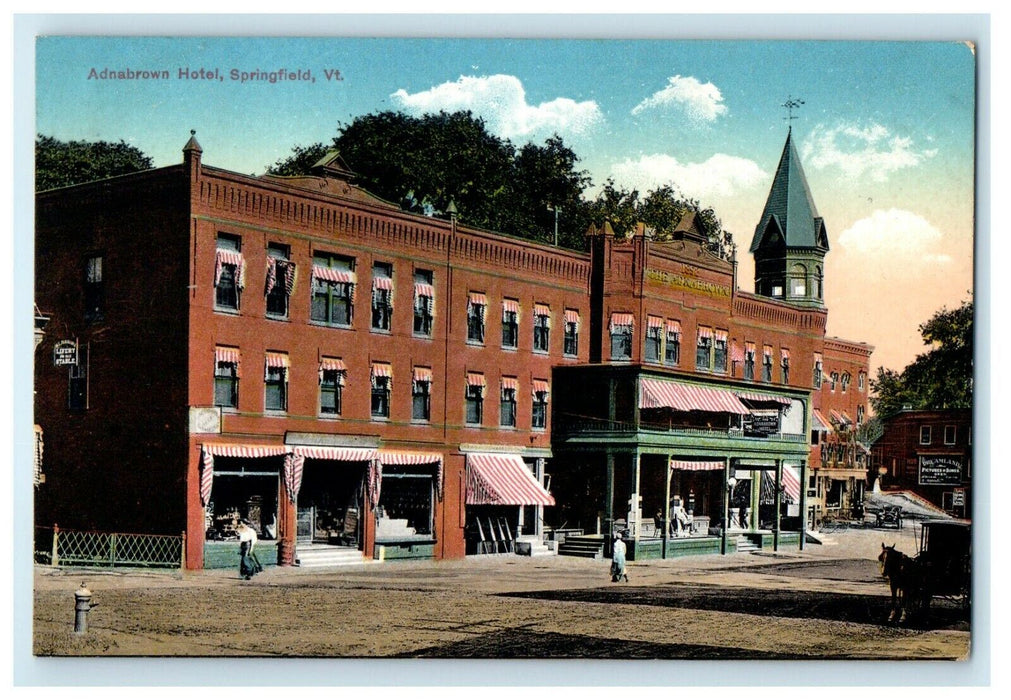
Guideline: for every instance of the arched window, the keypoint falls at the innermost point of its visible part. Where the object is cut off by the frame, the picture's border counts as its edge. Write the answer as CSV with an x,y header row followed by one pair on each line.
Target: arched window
x,y
819,281
798,281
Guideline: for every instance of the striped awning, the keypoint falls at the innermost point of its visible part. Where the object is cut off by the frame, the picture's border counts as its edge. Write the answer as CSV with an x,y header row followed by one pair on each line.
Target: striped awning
x,y
229,257
332,364
705,332
673,327
226,355
542,310
791,483
330,274
838,417
477,299
539,386
658,393
654,322
212,450
572,316
475,379
756,396
382,369
767,350
337,454
510,306
846,417
421,289
503,480
749,347
621,320
510,383
721,336
277,359
784,353
385,283
819,422
401,457
691,465
423,374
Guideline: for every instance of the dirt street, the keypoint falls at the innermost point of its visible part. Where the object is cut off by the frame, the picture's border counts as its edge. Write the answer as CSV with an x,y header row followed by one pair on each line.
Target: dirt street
x,y
825,602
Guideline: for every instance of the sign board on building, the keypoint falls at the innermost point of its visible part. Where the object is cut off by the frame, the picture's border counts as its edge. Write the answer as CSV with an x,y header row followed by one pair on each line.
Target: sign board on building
x,y
940,470
958,498
65,353
761,424
205,419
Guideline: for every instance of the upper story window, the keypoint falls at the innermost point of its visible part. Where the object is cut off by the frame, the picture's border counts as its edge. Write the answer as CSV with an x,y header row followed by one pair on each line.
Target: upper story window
x,y
784,364
845,381
510,323
275,382
474,399
542,327
949,434
652,347
229,272
861,381
226,377
382,296
767,363
672,348
798,281
860,414
507,406
720,351
332,377
539,414
749,360
424,302
421,394
333,289
477,303
924,434
704,349
833,380
280,279
816,378
570,343
94,289
621,336
382,384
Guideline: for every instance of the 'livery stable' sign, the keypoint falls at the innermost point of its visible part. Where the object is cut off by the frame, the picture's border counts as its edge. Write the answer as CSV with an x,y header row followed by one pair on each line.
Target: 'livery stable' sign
x,y
941,470
65,353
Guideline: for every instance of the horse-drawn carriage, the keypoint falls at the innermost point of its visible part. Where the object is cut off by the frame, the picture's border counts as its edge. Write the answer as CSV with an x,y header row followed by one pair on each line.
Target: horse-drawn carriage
x,y
942,568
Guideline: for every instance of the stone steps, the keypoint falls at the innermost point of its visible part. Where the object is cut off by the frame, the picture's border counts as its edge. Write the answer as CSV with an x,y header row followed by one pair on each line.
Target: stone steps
x,y
586,546
315,556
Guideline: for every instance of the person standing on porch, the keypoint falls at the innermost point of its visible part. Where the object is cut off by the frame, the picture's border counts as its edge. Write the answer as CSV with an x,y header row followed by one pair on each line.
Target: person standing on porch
x,y
742,517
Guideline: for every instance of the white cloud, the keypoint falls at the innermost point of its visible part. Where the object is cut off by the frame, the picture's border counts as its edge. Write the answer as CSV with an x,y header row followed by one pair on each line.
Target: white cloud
x,y
719,176
896,237
502,102
857,150
701,102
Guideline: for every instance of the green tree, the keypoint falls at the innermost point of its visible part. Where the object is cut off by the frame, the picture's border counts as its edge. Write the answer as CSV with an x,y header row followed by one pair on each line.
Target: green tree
x,y
939,378
65,163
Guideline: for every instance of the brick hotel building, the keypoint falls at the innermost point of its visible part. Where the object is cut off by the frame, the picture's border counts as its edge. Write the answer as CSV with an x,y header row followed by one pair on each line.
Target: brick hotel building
x,y
358,380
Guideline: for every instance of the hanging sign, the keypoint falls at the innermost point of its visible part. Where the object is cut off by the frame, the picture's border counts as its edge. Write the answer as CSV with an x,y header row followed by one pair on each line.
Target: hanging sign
x,y
941,470
65,353
761,424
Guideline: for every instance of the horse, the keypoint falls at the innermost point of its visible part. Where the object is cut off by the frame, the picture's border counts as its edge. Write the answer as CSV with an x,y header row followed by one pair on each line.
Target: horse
x,y
905,576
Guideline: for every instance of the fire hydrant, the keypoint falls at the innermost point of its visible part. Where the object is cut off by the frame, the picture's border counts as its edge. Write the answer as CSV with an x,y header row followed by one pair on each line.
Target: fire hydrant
x,y
82,606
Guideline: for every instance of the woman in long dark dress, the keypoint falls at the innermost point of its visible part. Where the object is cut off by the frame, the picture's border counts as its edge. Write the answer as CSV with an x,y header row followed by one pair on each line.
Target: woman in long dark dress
x,y
249,565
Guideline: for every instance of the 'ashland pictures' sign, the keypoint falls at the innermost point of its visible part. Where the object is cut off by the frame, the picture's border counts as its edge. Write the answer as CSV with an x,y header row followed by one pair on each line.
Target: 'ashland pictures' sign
x,y
940,470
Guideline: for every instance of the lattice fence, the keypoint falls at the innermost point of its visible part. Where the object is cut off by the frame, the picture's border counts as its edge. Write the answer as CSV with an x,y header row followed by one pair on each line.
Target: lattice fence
x,y
59,547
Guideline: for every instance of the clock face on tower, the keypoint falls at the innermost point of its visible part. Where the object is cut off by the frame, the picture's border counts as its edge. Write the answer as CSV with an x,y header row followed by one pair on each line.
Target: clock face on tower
x,y
205,420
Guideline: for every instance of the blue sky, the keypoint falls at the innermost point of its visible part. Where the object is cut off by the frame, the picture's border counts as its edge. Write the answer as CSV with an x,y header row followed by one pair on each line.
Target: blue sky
x,y
885,132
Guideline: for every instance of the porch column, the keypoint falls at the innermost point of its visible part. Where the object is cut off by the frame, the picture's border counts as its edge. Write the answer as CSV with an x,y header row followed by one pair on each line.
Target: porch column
x,y
539,509
634,510
726,504
776,499
286,528
609,504
666,506
803,503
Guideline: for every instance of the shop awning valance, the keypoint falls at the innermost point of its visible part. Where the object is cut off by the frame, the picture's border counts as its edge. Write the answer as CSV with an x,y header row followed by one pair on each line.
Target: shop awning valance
x,y
330,274
658,393
819,422
621,320
765,398
401,457
691,465
503,480
212,450
540,386
571,316
337,454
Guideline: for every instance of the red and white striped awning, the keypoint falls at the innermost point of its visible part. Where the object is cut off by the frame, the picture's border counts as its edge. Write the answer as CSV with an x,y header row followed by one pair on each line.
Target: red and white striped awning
x,y
542,310
705,332
819,422
277,359
846,417
510,383
621,320
721,336
421,289
337,454
229,257
330,274
791,483
404,457
691,465
503,480
245,451
658,393
540,386
332,364
837,417
477,299
749,346
423,374
510,306
756,396
767,350
654,322
385,283
572,316
784,353
382,369
475,379
227,355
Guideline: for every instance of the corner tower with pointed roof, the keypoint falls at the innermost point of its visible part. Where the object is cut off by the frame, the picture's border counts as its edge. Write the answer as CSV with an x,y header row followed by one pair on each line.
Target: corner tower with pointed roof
x,y
790,240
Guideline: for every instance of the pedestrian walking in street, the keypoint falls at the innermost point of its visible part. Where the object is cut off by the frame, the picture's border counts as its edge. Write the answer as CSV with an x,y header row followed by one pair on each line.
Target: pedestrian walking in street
x,y
249,564
618,560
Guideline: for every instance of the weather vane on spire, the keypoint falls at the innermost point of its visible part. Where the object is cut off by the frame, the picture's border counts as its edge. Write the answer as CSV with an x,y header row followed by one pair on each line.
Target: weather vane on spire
x,y
791,104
